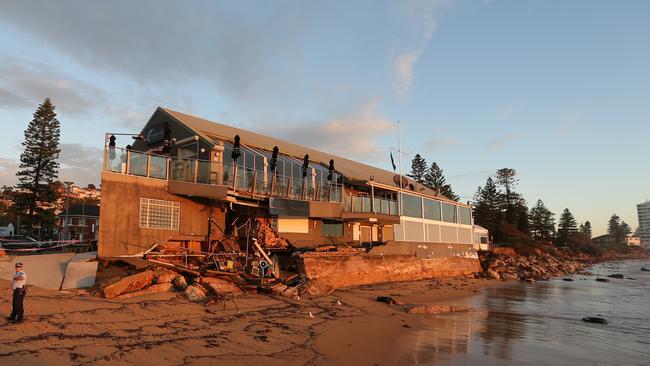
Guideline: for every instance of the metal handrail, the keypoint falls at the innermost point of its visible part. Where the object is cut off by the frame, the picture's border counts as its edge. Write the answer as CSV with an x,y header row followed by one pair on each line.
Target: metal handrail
x,y
200,171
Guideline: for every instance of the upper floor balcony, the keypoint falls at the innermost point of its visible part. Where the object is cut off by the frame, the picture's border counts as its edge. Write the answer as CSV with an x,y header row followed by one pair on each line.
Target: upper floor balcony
x,y
193,175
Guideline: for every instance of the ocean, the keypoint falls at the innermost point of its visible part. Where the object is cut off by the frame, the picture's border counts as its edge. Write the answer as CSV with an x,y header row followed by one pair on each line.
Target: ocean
x,y
540,323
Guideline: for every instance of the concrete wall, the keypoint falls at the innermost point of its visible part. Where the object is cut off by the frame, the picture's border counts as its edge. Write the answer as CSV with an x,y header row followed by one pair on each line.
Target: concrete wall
x,y
425,250
119,227
353,270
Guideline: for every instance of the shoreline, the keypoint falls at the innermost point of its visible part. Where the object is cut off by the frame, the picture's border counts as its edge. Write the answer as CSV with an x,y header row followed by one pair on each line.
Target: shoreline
x,y
74,327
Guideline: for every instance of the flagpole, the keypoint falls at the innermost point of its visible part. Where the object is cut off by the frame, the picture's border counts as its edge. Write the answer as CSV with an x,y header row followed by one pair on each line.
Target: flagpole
x,y
399,152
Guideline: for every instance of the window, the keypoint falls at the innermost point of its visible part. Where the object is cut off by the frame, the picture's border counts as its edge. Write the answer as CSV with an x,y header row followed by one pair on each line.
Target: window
x,y
157,214
332,228
431,209
411,206
465,215
448,212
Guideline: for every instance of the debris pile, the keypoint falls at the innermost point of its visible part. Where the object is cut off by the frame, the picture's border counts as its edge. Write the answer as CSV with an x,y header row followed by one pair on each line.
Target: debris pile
x,y
511,266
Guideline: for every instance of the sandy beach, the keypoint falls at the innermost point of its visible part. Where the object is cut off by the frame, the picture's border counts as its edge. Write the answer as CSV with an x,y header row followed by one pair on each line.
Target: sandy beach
x,y
64,328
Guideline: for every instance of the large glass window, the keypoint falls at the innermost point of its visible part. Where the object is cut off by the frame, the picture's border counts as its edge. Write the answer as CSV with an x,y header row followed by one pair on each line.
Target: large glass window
x,y
465,215
411,206
431,209
332,228
448,212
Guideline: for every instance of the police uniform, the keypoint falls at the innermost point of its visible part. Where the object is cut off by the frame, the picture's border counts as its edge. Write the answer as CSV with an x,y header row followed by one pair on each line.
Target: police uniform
x,y
18,285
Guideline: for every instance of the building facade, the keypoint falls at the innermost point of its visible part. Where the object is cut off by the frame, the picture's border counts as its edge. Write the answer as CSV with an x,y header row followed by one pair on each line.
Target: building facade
x,y
185,176
643,210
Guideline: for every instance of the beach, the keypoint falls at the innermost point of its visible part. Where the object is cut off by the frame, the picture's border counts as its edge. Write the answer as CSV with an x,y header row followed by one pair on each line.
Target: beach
x,y
63,328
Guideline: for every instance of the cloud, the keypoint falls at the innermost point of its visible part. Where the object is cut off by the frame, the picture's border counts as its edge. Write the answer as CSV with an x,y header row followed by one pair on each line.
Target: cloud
x,y
80,164
419,16
353,135
8,168
25,83
500,141
440,144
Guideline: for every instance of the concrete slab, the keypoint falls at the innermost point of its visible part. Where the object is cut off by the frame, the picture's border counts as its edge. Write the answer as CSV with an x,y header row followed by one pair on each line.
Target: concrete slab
x,y
44,270
79,275
84,257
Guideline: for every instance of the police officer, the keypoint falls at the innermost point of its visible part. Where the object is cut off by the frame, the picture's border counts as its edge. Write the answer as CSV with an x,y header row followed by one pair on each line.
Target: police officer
x,y
18,285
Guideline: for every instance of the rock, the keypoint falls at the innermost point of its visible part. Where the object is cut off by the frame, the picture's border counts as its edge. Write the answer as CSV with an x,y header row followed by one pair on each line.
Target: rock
x,y
567,279
279,288
508,276
153,289
180,283
616,275
292,293
602,279
645,269
131,283
195,293
436,309
594,319
163,275
220,286
493,274
385,299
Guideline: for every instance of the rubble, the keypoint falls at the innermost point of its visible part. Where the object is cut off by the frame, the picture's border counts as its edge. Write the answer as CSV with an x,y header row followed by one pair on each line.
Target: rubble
x,y
164,275
219,286
506,264
153,289
180,283
131,283
195,293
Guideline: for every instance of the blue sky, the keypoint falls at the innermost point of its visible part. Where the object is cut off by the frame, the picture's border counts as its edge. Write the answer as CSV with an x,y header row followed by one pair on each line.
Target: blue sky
x,y
558,90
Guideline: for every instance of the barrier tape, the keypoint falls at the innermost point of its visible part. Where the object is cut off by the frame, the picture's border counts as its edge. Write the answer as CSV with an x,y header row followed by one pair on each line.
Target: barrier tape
x,y
63,243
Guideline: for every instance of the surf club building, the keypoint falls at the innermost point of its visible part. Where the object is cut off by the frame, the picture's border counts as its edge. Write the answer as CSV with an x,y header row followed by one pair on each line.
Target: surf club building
x,y
189,178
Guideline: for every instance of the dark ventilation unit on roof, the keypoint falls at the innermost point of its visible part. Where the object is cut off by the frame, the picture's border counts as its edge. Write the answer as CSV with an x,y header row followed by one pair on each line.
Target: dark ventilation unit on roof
x,y
236,149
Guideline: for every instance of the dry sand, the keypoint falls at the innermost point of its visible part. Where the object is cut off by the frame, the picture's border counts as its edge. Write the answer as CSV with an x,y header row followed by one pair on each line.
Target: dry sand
x,y
64,328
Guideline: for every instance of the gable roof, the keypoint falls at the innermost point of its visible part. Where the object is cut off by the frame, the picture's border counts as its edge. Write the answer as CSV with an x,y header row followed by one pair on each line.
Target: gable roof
x,y
350,169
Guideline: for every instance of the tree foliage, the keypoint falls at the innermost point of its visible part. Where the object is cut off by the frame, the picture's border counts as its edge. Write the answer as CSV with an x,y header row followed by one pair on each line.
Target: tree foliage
x,y
418,168
566,227
39,167
585,229
542,222
434,178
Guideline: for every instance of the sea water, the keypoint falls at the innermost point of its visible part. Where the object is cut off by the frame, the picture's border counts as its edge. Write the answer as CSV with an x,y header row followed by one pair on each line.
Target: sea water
x,y
540,323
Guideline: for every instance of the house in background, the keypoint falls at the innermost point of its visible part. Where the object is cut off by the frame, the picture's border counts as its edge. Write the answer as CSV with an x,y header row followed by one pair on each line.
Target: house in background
x,y
79,222
187,177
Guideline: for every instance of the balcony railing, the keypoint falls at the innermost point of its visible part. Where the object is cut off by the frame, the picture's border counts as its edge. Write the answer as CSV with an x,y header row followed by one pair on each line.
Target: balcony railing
x,y
239,178
366,204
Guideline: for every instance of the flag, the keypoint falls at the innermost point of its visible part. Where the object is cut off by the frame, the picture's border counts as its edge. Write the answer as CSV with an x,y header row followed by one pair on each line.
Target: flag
x,y
392,161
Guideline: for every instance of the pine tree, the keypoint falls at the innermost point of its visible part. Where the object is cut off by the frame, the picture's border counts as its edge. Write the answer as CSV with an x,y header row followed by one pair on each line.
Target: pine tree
x,y
585,229
567,227
487,212
542,222
625,230
614,228
39,166
434,178
507,179
418,168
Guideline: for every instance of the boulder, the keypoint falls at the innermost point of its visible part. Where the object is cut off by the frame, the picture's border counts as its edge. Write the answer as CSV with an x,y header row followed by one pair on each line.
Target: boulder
x,y
180,283
616,275
131,283
594,319
219,286
493,274
436,309
195,293
153,289
645,269
602,279
508,276
163,275
567,279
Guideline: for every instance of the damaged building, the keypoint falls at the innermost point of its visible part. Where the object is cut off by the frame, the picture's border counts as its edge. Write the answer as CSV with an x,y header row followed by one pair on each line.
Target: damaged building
x,y
210,197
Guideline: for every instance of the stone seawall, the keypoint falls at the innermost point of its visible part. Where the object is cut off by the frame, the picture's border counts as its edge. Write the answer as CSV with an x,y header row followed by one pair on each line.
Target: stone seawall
x,y
362,269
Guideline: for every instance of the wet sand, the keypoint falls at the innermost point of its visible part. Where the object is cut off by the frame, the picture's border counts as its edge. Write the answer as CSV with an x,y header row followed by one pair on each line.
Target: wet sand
x,y
165,329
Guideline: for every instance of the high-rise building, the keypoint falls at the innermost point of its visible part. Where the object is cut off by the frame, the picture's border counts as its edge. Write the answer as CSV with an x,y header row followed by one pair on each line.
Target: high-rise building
x,y
644,223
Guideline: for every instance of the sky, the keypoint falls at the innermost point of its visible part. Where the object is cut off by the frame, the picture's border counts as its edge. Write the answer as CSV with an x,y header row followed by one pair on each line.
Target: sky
x,y
558,90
